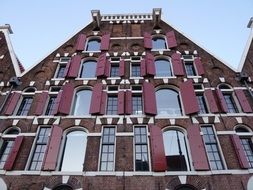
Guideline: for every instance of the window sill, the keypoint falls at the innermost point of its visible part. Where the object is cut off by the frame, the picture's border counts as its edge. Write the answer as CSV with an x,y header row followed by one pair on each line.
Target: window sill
x,y
86,79
170,77
80,116
205,115
113,78
91,51
57,79
194,77
234,114
136,78
171,117
160,50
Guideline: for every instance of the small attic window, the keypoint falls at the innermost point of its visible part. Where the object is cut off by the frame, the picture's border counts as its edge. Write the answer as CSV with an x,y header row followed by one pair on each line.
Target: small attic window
x,y
241,129
30,90
224,86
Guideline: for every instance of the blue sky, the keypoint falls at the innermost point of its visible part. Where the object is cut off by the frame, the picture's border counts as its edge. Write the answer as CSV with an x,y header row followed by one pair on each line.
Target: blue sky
x,y
41,26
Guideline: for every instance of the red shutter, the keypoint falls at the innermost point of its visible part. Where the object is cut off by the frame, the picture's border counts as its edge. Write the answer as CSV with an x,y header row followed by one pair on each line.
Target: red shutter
x,y
80,43
41,103
240,152
12,103
243,101
199,66
121,102
105,42
171,39
13,154
103,103
198,152
147,41
122,68
51,155
143,68
66,70
96,99
149,99
211,101
221,101
177,64
100,71
66,99
189,98
107,72
128,103
74,66
157,149
57,103
150,64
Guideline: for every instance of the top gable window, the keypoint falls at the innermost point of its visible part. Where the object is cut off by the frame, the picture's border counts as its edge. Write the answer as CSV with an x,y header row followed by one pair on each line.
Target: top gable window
x,y
93,45
159,43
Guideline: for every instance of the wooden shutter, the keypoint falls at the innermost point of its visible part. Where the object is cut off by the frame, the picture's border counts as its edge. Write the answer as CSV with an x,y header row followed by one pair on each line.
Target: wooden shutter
x,y
199,66
147,41
122,68
80,43
57,103
189,98
211,101
103,103
41,103
143,68
96,99
101,65
66,99
150,64
51,155
158,158
107,72
240,152
221,101
171,39
105,42
121,102
66,70
12,103
13,154
198,152
74,66
149,98
128,103
177,64
243,101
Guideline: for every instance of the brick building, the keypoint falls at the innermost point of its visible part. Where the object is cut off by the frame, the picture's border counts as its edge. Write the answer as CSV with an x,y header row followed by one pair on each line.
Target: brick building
x,y
128,102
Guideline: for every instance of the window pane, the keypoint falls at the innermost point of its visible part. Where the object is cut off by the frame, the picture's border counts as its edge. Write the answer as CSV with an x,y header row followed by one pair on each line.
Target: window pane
x,y
50,106
202,104
137,104
25,106
114,70
82,102
93,45
163,68
230,103
61,70
136,70
189,67
112,105
5,151
248,149
158,43
88,69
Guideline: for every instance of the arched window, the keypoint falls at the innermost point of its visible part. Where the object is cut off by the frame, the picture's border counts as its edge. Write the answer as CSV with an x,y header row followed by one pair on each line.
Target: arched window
x,y
228,95
185,187
63,187
88,69
163,68
93,45
74,151
82,102
168,102
176,150
158,43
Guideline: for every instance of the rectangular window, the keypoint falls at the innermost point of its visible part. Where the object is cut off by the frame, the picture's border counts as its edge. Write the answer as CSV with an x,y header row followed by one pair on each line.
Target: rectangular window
x,y
61,71
136,70
189,67
212,148
202,104
5,151
247,147
137,104
40,148
112,105
230,103
25,106
114,70
107,149
141,149
50,105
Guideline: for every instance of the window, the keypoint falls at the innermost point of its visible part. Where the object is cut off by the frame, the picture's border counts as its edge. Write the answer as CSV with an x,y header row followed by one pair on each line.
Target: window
x,y
88,69
158,43
40,148
246,142
107,149
63,187
137,100
141,149
135,67
176,150
25,105
74,151
189,65
168,102
61,67
202,104
114,70
93,45
112,104
227,93
50,105
212,148
7,144
82,101
163,68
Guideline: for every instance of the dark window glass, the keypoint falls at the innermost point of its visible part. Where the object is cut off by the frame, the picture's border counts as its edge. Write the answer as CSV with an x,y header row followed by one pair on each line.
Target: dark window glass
x,y
212,148
114,70
107,149
176,151
230,103
163,68
25,106
93,45
5,151
50,106
168,102
248,149
61,70
88,69
63,187
82,102
202,104
137,104
159,43
136,70
189,67
141,149
40,148
112,105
